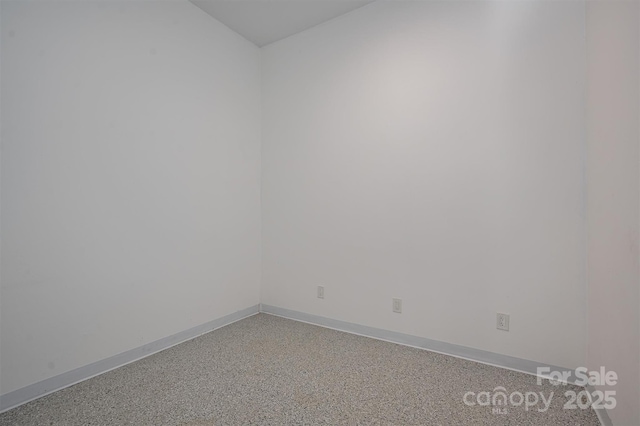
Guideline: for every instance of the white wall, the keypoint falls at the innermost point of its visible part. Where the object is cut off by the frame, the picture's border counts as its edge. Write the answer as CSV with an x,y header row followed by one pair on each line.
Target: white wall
x,y
425,150
130,179
613,113
432,151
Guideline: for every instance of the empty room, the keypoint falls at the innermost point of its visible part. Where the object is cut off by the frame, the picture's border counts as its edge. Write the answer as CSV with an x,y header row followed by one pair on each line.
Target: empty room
x,y
319,212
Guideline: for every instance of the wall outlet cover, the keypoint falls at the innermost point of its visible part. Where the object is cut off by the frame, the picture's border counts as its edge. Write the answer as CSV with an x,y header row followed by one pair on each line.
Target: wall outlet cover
x,y
502,321
397,306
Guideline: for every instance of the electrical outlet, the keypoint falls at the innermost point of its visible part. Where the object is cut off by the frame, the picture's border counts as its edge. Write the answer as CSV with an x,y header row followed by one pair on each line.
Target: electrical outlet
x,y
502,322
320,292
397,306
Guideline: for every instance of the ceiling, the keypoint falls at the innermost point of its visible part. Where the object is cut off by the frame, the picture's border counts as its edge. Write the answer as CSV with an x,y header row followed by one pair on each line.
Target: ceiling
x,y
265,21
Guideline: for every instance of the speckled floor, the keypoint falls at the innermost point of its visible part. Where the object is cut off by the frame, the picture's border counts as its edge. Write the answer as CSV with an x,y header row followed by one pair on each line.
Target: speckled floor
x,y
266,370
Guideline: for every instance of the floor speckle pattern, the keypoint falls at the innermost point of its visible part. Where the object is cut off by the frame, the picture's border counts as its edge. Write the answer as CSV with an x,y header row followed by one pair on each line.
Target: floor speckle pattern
x,y
266,370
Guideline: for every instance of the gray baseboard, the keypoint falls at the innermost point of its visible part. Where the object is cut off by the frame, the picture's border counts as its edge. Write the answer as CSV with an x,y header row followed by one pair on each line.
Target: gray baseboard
x,y
29,393
601,412
37,390
477,355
